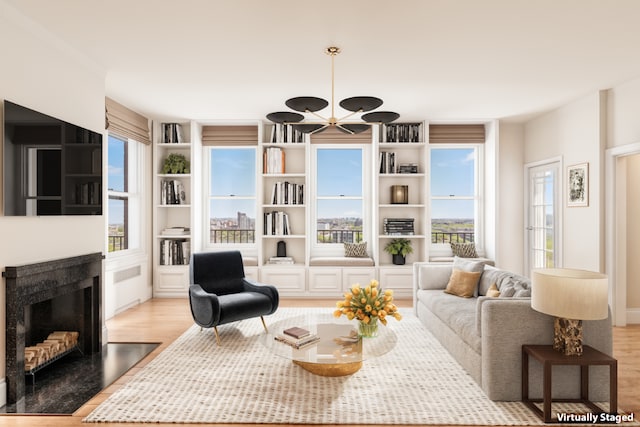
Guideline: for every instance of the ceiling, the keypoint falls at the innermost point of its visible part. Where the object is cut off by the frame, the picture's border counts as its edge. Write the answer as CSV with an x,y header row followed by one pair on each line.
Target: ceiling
x,y
427,59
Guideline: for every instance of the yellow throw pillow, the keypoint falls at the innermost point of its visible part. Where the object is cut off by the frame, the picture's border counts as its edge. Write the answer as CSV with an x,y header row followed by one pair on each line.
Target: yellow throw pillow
x,y
493,291
462,283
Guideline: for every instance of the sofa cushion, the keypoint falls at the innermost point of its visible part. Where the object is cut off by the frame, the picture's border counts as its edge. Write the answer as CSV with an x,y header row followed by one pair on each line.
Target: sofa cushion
x,y
463,283
493,291
490,276
514,286
433,276
459,314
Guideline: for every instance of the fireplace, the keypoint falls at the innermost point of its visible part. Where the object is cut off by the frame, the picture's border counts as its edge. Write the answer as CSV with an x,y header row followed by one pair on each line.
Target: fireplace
x,y
58,295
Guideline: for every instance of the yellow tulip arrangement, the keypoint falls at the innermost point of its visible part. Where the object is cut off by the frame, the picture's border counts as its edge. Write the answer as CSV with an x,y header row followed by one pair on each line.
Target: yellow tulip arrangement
x,y
368,304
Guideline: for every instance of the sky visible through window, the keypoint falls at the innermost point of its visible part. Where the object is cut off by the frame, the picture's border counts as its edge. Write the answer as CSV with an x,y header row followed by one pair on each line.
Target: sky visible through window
x,y
452,173
115,177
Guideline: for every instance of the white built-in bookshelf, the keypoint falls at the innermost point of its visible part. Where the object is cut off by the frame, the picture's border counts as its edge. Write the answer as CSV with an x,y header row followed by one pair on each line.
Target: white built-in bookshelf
x,y
282,211
173,214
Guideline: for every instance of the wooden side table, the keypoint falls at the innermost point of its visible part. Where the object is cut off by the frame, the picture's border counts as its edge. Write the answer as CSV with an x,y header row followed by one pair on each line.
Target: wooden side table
x,y
549,357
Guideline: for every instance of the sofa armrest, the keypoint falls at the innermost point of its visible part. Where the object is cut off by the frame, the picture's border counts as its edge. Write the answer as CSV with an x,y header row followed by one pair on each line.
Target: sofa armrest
x,y
428,275
507,324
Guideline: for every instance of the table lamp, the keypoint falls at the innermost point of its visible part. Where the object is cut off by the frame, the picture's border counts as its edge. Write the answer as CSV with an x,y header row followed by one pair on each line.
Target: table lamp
x,y
571,296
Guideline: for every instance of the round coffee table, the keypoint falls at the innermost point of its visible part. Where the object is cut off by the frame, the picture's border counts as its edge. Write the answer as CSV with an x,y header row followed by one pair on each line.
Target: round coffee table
x,y
339,352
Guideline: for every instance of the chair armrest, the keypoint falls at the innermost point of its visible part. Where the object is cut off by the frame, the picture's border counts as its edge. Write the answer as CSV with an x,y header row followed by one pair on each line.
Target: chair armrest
x,y
205,307
268,290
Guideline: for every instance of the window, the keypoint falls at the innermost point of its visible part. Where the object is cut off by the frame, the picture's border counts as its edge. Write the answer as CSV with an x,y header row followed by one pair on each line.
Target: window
x,y
123,192
455,195
339,188
232,195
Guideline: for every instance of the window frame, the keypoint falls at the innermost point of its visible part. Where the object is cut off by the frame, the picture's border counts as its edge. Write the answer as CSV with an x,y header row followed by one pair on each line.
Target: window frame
x,y
132,194
337,249
246,248
444,249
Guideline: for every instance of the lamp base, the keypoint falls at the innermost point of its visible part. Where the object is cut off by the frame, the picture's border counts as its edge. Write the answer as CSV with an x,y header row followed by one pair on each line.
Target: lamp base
x,y
567,336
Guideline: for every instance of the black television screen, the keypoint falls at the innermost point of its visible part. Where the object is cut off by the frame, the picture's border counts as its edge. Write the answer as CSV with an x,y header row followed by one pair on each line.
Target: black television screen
x,y
51,167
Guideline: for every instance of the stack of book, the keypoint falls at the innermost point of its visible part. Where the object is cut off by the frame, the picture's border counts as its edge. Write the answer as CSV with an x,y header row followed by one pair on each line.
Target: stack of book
x,y
297,337
176,231
401,132
281,260
273,160
286,133
398,226
172,192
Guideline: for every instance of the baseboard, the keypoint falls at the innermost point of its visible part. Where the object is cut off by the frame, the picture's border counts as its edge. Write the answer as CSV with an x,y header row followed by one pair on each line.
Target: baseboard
x,y
3,393
633,316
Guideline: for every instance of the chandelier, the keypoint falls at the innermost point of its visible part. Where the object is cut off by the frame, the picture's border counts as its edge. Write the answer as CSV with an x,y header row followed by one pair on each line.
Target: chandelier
x,y
347,124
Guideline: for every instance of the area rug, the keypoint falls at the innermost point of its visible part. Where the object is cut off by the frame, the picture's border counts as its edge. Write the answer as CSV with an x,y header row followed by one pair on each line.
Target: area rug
x,y
196,381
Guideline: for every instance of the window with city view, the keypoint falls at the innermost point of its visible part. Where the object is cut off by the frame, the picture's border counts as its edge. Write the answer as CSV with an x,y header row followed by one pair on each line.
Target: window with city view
x,y
232,195
454,194
118,186
339,191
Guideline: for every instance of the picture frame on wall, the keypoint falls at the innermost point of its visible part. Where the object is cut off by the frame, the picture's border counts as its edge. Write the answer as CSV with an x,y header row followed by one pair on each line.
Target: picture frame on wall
x,y
578,185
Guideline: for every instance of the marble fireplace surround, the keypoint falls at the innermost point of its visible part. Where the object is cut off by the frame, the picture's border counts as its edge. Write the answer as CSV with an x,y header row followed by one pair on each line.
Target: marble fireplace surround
x,y
31,284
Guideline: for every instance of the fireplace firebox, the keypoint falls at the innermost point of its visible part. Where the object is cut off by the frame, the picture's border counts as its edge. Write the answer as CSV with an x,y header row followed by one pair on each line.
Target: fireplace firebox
x,y
58,295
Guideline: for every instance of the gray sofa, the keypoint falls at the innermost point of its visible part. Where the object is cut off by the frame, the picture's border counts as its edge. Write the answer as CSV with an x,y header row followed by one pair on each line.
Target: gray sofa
x,y
485,334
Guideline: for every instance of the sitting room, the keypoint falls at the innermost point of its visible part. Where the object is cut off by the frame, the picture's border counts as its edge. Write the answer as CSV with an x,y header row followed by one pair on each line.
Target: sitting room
x,y
360,213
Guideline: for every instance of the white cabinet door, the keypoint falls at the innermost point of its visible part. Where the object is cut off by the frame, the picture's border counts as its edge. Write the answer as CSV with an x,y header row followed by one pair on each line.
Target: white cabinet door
x,y
400,279
288,280
325,280
171,281
353,275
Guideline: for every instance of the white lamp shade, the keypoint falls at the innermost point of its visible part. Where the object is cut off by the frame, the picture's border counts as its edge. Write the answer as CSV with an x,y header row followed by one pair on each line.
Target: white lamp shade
x,y
570,294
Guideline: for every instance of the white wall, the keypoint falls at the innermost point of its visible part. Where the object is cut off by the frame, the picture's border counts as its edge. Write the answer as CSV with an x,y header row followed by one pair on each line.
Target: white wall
x,y
510,230
39,73
575,132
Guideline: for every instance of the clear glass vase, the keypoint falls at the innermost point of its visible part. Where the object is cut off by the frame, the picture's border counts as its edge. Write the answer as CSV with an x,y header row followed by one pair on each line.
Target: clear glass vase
x,y
368,330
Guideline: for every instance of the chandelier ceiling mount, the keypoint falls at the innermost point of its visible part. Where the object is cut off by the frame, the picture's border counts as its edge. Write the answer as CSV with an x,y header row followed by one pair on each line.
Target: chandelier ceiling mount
x,y
311,105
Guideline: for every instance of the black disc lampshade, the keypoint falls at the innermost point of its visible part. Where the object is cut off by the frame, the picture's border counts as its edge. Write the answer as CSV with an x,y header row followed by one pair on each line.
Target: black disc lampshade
x,y
361,103
306,103
380,117
310,128
353,128
285,117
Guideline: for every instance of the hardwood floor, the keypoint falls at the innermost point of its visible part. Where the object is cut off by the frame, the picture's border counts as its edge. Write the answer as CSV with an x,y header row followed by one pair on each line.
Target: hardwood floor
x,y
163,320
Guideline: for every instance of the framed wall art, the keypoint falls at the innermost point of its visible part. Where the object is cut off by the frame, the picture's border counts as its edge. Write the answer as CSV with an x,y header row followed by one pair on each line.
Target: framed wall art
x,y
578,185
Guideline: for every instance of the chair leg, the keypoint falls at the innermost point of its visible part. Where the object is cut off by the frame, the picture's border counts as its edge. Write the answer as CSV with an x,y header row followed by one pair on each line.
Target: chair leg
x,y
215,330
264,325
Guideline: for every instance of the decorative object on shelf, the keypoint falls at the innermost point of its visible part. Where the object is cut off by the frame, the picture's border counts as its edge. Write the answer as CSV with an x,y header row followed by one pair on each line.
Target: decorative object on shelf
x,y
282,249
175,163
399,249
368,305
571,296
578,179
311,105
399,194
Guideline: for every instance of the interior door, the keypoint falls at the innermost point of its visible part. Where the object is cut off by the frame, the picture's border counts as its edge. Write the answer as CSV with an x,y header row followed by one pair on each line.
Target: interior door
x,y
542,216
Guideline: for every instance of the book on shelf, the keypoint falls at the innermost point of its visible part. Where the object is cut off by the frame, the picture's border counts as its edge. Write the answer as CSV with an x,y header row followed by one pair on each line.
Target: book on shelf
x,y
172,192
176,231
297,332
281,132
297,343
174,252
387,162
401,132
172,133
287,193
398,226
276,223
273,160
281,260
